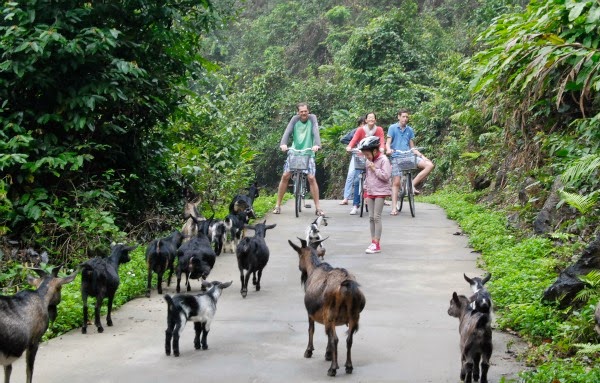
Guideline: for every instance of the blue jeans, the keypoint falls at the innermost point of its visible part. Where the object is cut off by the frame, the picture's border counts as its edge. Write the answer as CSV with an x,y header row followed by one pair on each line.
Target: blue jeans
x,y
349,180
357,175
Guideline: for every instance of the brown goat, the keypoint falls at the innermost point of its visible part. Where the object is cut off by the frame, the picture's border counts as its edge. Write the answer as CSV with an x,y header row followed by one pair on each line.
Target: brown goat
x,y
333,298
475,338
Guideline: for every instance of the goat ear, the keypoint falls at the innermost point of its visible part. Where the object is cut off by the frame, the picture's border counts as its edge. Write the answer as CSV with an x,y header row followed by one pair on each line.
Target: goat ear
x,y
270,226
486,278
318,242
225,285
455,298
294,246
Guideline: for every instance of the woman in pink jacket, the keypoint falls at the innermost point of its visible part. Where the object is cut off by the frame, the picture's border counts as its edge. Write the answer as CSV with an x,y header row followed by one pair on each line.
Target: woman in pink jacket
x,y
377,186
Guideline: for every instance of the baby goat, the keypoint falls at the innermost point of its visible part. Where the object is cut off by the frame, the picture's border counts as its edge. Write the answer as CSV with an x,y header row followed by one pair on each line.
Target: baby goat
x,y
332,297
481,300
313,234
475,338
252,255
160,257
199,308
25,317
100,279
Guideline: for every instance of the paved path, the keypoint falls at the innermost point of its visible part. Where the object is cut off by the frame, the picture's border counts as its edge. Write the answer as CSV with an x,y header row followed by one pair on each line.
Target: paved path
x,y
405,333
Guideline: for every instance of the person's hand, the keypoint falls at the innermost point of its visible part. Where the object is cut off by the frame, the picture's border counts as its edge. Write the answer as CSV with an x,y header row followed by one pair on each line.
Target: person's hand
x,y
315,148
284,148
348,148
388,151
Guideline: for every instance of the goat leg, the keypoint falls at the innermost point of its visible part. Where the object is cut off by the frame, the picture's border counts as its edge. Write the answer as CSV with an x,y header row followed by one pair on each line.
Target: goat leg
x,y
7,372
85,313
311,331
197,333
332,344
246,279
258,280
30,360
109,321
149,281
168,337
349,339
205,329
97,321
476,359
159,278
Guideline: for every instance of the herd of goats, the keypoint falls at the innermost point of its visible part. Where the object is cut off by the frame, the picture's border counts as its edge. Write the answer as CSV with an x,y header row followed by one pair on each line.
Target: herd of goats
x,y
332,295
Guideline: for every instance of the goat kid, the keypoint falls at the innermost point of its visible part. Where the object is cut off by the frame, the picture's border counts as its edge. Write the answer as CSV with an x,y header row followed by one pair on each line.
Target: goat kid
x,y
196,259
475,338
199,308
217,232
244,203
333,298
481,300
25,317
234,225
160,257
192,216
313,234
100,279
253,255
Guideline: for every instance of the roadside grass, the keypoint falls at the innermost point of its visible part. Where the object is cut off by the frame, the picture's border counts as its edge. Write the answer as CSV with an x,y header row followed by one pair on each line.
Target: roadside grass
x,y
522,267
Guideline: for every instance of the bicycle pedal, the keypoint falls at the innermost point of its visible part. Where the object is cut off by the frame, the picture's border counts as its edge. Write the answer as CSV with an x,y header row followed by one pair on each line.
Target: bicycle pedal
x,y
307,205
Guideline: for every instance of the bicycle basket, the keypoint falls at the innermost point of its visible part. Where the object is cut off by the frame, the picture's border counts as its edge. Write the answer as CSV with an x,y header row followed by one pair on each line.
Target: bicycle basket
x,y
406,161
298,162
359,162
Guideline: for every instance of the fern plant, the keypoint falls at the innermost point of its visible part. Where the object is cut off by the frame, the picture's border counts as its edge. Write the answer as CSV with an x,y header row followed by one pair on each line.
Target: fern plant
x,y
583,169
592,287
583,203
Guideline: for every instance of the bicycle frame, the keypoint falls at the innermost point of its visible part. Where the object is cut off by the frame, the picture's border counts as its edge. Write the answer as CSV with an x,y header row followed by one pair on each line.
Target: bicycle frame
x,y
299,179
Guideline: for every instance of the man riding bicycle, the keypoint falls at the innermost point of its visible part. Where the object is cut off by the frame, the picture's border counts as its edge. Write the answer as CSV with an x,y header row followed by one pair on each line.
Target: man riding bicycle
x,y
400,137
304,130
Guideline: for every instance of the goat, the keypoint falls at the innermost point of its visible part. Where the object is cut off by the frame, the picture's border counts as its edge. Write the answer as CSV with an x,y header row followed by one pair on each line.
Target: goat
x,y
313,234
481,299
234,225
217,232
252,255
195,259
332,297
100,279
160,257
200,308
243,202
475,338
192,216
25,318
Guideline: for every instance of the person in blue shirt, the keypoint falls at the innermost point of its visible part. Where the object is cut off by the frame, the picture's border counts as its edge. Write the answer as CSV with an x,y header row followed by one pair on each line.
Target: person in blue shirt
x,y
400,136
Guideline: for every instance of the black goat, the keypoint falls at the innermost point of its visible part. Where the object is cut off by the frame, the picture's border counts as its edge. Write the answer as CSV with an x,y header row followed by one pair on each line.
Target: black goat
x,y
196,259
475,338
234,225
100,279
252,255
332,297
199,308
24,319
481,300
160,257
244,203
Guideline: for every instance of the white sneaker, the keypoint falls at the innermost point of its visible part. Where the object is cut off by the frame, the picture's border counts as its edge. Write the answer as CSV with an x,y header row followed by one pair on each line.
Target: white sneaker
x,y
354,210
373,248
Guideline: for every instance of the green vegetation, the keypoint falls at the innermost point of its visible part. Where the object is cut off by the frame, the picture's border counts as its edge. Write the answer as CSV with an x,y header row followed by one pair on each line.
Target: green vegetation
x,y
108,111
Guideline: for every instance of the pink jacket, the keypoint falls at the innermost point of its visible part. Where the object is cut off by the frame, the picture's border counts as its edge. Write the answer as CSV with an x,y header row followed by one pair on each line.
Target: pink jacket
x,y
377,182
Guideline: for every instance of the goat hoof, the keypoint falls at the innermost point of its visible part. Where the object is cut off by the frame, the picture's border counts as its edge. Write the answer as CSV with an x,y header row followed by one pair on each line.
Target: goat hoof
x,y
84,330
197,346
308,354
100,329
148,294
176,353
331,372
109,323
257,287
349,369
205,347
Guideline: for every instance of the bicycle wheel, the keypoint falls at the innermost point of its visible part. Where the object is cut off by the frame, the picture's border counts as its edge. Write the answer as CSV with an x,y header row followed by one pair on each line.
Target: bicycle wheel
x,y
410,193
361,191
401,194
297,192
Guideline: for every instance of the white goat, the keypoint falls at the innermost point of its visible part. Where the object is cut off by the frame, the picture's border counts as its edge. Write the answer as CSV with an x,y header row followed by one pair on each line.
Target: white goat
x,y
313,234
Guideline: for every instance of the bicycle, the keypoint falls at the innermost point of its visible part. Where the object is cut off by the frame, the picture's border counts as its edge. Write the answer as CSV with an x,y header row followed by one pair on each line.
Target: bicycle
x,y
298,165
360,164
407,161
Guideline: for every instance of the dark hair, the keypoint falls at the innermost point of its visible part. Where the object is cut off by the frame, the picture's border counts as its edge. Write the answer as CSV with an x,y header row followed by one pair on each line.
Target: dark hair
x,y
360,121
400,111
373,113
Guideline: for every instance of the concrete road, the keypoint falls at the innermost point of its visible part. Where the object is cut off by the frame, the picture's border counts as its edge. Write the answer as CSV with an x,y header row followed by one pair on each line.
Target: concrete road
x,y
405,333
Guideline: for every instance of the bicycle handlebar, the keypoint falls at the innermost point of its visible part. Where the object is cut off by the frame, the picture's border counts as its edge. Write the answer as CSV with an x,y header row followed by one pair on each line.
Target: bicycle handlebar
x,y
299,150
407,151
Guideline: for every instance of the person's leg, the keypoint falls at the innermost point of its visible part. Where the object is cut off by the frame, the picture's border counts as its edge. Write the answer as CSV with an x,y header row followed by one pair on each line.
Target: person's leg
x,y
395,189
349,181
314,190
378,209
426,167
283,185
356,199
371,205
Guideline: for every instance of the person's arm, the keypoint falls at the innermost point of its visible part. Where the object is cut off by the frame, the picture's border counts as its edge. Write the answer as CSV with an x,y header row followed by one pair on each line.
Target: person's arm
x,y
358,135
288,131
379,133
384,171
315,129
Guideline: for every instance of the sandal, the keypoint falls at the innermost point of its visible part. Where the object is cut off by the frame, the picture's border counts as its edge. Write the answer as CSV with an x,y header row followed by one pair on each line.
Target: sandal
x,y
394,212
344,202
277,210
416,191
319,212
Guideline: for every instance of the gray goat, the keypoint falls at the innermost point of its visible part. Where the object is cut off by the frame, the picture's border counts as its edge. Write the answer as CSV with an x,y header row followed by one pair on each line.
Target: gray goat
x,y
475,338
331,297
481,300
199,308
25,317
